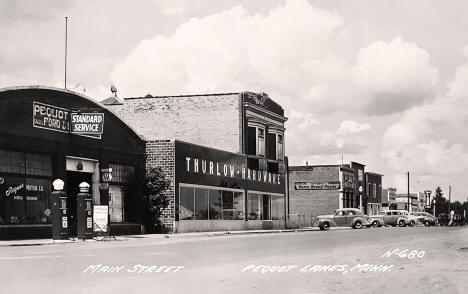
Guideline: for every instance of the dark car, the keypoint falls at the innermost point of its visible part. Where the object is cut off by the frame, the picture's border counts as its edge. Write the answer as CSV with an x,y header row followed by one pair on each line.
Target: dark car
x,y
443,219
458,220
344,217
425,218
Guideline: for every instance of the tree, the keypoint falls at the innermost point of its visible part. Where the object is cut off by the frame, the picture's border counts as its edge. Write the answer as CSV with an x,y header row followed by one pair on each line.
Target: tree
x,y
155,199
440,202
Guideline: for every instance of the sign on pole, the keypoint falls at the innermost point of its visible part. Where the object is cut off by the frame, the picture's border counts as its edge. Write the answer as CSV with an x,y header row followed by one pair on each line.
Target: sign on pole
x,y
100,218
87,123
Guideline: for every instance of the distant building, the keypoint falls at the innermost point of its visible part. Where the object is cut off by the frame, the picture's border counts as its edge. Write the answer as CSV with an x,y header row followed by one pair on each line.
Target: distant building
x,y
373,200
388,198
401,200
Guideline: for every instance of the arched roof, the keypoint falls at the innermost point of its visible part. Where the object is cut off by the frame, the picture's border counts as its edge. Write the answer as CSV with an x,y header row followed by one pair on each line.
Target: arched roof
x,y
67,91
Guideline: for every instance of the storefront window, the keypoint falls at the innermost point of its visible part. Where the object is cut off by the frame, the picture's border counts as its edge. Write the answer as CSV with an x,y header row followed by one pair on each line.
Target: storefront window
x,y
24,200
210,204
116,203
215,204
277,207
201,204
186,203
239,201
228,207
265,207
253,207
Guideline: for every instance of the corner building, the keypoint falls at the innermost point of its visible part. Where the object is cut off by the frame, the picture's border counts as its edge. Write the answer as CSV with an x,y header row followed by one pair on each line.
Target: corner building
x,y
36,147
224,155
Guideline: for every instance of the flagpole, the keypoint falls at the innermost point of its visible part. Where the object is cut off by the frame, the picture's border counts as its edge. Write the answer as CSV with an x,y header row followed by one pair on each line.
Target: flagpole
x,y
66,41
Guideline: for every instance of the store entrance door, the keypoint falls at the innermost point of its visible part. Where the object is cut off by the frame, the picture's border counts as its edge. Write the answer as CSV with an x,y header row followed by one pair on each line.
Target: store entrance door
x,y
73,181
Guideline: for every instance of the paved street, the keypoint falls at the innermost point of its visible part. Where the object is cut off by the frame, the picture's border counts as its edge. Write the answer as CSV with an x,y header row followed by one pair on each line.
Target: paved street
x,y
336,261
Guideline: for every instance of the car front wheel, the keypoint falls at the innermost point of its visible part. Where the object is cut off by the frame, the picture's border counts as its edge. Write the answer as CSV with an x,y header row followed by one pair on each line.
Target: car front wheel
x,y
427,223
401,223
375,224
412,223
357,225
325,226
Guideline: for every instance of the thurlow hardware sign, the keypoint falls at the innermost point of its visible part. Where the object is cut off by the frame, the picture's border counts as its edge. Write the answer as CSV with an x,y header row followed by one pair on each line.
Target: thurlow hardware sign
x,y
60,119
214,168
316,185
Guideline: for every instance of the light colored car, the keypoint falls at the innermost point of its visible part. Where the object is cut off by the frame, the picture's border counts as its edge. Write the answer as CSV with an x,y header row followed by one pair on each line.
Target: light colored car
x,y
344,217
392,218
426,218
413,219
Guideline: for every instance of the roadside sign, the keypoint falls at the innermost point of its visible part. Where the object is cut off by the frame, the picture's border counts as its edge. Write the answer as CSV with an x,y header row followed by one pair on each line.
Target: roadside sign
x,y
100,218
87,123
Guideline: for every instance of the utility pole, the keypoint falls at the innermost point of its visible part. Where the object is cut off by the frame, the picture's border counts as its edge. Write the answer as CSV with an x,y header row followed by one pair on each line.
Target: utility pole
x,y
409,199
450,194
66,40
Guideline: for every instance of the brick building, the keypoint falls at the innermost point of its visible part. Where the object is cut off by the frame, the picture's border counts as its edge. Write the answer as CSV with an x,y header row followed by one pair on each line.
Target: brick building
x,y
224,155
320,189
373,193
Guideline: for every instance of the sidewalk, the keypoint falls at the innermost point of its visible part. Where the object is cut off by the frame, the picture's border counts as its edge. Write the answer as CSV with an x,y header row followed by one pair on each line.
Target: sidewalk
x,y
39,242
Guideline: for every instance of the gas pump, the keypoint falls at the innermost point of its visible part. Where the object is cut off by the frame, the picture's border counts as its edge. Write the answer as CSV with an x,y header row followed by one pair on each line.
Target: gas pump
x,y
84,213
59,211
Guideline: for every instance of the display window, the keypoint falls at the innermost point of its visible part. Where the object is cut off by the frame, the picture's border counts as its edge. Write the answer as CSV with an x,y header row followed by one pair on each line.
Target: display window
x,y
210,203
262,206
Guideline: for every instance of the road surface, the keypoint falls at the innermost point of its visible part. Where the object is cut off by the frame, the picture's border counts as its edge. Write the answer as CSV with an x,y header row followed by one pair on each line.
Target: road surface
x,y
374,260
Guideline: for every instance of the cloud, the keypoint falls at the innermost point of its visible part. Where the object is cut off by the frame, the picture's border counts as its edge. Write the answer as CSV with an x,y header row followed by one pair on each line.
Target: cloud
x,y
281,51
352,127
430,139
395,76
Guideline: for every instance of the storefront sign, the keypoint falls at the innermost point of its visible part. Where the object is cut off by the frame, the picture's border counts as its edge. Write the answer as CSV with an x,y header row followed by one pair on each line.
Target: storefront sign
x,y
360,175
106,175
58,119
214,168
87,123
316,185
100,218
51,117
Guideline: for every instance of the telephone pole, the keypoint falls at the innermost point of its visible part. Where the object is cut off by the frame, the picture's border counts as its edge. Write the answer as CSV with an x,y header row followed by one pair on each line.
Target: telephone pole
x,y
409,199
450,194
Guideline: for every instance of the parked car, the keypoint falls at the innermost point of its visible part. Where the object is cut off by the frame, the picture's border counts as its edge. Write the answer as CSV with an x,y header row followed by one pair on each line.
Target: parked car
x,y
343,218
376,221
443,219
426,218
458,220
393,218
413,219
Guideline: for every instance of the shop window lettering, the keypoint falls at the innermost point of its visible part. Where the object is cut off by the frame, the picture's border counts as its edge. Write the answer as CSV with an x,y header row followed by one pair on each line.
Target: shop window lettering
x,y
228,170
13,190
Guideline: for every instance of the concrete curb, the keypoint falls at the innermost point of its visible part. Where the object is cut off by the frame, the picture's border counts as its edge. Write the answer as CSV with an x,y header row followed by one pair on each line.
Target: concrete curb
x,y
41,242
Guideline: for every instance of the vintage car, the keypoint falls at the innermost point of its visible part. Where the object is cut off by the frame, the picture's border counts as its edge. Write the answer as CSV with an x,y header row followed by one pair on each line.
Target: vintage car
x,y
425,218
343,218
393,218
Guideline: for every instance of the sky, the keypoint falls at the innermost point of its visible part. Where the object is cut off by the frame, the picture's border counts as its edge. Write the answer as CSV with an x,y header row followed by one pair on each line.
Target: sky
x,y
383,83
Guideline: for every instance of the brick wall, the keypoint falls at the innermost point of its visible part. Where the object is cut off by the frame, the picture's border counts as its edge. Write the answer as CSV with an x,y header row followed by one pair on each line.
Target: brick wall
x,y
161,153
208,120
311,203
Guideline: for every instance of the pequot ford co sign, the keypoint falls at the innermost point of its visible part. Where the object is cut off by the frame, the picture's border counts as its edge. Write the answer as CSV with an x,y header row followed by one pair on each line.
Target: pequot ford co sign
x,y
61,119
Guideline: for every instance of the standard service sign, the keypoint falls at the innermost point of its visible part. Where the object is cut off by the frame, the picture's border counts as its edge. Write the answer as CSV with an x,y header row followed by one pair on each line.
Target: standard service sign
x,y
87,123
